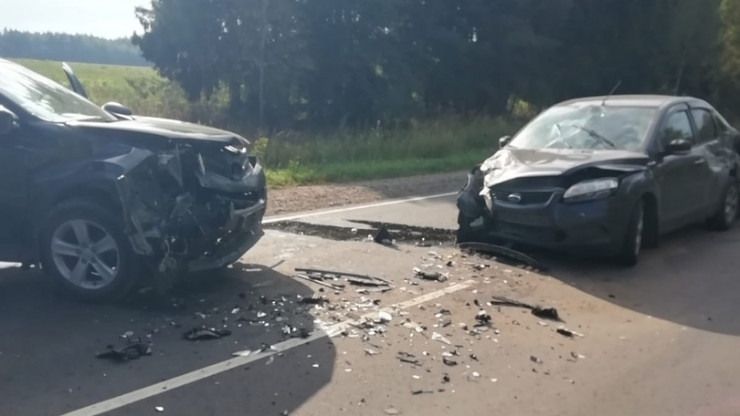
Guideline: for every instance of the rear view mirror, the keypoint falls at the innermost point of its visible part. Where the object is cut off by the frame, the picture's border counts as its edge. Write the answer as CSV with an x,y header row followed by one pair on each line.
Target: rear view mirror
x,y
679,147
116,108
7,121
502,142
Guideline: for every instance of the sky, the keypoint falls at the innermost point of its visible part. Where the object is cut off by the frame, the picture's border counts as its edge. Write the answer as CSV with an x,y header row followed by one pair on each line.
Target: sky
x,y
103,18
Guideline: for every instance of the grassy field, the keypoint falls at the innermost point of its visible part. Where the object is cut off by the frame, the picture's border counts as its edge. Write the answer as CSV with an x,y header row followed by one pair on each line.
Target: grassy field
x,y
298,158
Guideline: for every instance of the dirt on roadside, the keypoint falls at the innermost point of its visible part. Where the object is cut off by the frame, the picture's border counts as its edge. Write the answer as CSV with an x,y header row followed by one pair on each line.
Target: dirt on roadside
x,y
307,198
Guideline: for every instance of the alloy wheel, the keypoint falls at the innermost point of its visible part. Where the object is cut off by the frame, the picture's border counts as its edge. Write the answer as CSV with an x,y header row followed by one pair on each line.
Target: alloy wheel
x,y
85,254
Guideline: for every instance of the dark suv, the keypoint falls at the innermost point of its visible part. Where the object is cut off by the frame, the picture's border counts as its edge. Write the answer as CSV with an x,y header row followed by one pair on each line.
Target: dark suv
x,y
100,197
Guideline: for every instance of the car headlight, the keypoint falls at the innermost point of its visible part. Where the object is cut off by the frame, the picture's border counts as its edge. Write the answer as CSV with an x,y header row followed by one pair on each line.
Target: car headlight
x,y
591,189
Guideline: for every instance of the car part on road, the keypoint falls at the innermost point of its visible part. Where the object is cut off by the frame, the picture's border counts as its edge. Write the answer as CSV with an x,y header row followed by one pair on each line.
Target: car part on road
x,y
356,279
203,334
132,351
408,358
432,276
319,282
542,312
483,318
383,236
507,252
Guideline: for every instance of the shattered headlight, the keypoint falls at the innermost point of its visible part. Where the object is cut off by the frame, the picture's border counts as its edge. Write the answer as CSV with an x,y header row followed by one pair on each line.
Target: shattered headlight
x,y
591,189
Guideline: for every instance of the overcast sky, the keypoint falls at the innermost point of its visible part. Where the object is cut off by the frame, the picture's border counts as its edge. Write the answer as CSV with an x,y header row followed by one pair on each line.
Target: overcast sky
x,y
104,18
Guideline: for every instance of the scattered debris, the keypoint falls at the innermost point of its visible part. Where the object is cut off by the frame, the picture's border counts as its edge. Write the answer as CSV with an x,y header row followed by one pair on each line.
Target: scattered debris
x,y
131,351
503,252
445,378
483,318
159,409
473,357
383,236
370,351
202,334
565,332
438,337
433,276
541,312
391,411
449,362
318,276
315,300
384,316
535,359
417,392
577,356
406,357
127,334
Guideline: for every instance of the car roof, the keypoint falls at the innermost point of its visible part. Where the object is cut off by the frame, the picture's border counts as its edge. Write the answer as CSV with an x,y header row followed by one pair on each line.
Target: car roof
x,y
637,100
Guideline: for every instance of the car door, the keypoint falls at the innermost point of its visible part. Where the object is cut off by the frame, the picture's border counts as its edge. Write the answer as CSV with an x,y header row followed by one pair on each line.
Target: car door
x,y
710,143
678,176
13,194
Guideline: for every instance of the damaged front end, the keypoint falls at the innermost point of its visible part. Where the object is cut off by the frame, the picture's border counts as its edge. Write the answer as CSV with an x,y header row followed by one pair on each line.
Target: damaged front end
x,y
194,206
551,200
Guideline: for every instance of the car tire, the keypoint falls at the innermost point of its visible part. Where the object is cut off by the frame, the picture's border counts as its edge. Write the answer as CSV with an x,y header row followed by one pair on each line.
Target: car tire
x,y
84,251
633,240
727,212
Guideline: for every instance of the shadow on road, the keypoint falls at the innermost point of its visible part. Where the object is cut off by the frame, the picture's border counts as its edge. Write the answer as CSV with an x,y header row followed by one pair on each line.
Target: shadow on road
x,y
692,279
49,343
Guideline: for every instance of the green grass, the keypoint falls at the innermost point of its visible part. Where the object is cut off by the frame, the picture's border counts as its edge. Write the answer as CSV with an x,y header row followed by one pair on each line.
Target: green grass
x,y
299,158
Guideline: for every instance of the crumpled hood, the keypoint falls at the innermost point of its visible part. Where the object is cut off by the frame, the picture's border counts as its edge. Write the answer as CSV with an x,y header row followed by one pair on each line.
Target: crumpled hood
x,y
510,163
163,128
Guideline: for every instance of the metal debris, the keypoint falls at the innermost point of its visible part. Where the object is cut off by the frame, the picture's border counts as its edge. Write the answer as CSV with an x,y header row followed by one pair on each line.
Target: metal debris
x,y
129,352
316,275
202,334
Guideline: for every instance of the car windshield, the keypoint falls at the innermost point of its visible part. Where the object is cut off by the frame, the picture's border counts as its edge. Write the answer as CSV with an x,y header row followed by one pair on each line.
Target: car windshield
x,y
587,127
45,98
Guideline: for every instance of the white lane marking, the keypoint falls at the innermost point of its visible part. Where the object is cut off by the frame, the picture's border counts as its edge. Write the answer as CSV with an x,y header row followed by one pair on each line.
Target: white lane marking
x,y
274,219
200,374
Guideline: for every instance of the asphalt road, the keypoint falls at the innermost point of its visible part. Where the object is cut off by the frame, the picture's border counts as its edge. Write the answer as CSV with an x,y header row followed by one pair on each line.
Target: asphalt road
x,y
659,339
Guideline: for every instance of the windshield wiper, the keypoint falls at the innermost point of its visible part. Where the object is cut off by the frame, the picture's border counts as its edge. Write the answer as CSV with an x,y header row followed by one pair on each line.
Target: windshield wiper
x,y
595,134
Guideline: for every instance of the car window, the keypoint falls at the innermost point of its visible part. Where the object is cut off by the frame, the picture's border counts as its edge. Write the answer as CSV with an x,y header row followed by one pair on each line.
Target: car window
x,y
677,126
706,130
45,98
587,127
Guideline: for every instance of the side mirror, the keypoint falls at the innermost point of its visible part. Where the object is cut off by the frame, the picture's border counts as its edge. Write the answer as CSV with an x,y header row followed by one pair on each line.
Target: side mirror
x,y
678,147
7,121
116,108
502,142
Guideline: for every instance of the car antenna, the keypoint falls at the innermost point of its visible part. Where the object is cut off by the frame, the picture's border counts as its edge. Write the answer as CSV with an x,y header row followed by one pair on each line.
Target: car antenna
x,y
611,92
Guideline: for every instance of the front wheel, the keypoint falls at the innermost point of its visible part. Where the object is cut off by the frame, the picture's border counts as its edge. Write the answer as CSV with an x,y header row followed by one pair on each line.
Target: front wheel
x,y
727,212
632,245
84,250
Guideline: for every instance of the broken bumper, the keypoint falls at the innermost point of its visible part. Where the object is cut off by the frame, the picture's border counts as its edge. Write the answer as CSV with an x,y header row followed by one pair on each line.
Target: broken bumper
x,y
593,227
246,232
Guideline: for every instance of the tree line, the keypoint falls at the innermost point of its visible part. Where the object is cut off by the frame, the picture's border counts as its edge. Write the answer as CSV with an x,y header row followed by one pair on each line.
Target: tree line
x,y
70,48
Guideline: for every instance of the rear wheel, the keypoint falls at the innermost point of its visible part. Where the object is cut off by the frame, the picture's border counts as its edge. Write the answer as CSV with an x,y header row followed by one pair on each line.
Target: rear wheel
x,y
83,249
632,245
727,212
465,232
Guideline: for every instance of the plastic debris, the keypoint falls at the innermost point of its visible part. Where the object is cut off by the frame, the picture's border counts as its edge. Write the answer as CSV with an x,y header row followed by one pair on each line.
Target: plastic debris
x,y
391,411
202,334
406,357
132,351
384,316
438,337
449,362
159,409
433,276
535,359
383,236
370,351
483,317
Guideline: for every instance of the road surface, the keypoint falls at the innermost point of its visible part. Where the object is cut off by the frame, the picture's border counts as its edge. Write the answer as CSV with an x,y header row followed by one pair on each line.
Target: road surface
x,y
659,339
